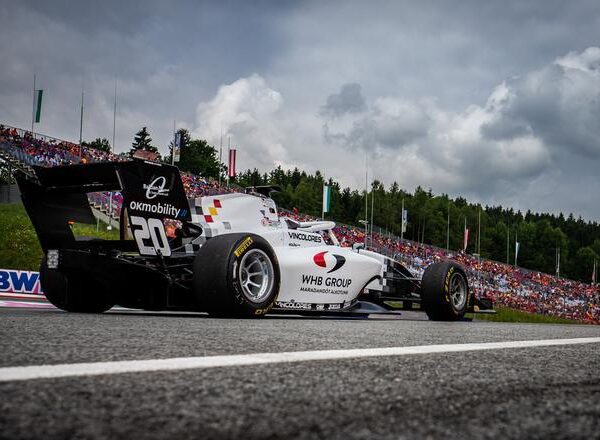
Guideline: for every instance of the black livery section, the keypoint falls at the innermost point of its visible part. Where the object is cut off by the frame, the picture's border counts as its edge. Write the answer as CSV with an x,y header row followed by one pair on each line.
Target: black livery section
x,y
92,275
150,191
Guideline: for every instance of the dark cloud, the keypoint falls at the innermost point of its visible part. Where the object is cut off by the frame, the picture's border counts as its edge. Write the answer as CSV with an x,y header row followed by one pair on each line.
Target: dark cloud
x,y
559,104
348,100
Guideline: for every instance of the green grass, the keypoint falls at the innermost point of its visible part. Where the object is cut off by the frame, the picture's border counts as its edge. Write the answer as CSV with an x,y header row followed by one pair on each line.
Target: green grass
x,y
510,315
85,230
19,246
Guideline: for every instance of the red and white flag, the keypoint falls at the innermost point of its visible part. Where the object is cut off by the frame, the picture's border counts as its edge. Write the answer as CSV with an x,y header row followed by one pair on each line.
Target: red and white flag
x,y
466,239
231,168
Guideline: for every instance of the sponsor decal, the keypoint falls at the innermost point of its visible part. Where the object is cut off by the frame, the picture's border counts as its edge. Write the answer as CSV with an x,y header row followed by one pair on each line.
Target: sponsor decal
x,y
328,260
324,290
303,236
156,188
159,208
326,281
307,306
328,285
243,246
20,281
293,305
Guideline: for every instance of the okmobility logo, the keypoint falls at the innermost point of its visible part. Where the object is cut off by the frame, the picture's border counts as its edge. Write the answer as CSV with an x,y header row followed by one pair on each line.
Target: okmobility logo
x,y
328,260
159,208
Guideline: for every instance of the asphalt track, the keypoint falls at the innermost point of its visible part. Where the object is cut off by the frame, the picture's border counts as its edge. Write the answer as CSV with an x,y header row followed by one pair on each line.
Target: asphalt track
x,y
532,392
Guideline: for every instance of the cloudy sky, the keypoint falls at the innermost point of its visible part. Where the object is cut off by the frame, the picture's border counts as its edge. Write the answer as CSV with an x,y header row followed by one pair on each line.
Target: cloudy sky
x,y
495,101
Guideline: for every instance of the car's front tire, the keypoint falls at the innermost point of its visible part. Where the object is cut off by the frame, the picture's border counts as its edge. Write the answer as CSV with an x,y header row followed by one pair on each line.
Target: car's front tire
x,y
236,275
445,294
73,292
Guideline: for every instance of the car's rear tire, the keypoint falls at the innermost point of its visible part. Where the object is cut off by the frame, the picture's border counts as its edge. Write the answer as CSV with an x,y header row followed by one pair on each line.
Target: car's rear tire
x,y
445,294
236,275
73,292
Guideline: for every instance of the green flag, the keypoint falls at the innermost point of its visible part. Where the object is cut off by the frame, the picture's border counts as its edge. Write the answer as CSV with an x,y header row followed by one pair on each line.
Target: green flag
x,y
37,105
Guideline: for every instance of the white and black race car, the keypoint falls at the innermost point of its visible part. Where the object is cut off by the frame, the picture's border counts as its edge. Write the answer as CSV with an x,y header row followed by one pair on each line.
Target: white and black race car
x,y
232,255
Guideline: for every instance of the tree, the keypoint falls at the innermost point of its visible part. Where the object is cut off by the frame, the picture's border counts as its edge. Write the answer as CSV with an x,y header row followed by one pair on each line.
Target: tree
x,y
98,144
142,141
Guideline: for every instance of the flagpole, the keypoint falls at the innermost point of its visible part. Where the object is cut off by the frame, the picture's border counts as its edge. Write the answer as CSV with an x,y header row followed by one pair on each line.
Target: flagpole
x,y
323,204
465,236
220,155
402,223
366,196
33,105
81,125
516,246
464,248
479,231
114,120
174,140
507,245
229,158
448,229
372,209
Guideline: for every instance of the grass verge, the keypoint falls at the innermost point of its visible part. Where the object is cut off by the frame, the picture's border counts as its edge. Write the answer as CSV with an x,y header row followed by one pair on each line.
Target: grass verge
x,y
504,314
19,246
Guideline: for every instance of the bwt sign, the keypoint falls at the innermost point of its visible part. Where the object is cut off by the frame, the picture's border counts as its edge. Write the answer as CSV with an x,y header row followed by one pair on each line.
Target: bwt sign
x,y
20,281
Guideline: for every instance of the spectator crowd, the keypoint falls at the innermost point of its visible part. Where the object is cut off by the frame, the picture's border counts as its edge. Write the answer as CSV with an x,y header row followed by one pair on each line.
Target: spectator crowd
x,y
504,284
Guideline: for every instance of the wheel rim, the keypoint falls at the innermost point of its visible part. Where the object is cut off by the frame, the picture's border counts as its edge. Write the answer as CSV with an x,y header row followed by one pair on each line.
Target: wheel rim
x,y
458,291
256,275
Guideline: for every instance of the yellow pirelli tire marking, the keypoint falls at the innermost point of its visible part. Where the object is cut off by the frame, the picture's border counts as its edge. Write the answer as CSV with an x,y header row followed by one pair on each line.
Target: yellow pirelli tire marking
x,y
243,246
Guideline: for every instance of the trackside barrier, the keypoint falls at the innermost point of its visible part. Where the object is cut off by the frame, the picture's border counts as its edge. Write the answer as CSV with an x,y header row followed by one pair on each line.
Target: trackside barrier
x,y
20,281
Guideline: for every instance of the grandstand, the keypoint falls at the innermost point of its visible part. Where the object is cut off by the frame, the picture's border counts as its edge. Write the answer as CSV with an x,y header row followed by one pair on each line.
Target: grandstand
x,y
504,284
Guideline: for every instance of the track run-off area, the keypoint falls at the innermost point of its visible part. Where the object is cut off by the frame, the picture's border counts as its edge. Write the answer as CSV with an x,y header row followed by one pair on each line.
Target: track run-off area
x,y
128,374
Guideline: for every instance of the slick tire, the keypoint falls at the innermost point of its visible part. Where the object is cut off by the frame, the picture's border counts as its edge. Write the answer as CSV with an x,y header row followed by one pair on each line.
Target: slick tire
x,y
445,292
73,292
236,275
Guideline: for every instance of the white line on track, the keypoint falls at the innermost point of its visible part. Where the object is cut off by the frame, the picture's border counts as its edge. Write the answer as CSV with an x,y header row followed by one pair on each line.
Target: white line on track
x,y
117,367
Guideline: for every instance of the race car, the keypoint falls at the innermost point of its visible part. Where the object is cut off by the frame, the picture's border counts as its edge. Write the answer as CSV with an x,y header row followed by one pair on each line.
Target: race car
x,y
230,254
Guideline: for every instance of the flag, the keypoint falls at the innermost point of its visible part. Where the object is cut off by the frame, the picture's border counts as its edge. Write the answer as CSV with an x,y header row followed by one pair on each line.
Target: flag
x,y
404,220
177,147
37,105
466,240
326,198
232,154
517,246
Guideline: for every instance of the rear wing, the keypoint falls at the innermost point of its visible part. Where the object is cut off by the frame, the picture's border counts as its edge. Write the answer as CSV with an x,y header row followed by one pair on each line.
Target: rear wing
x,y
151,192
